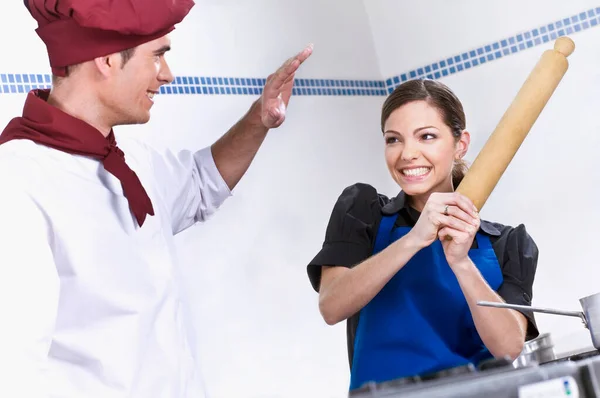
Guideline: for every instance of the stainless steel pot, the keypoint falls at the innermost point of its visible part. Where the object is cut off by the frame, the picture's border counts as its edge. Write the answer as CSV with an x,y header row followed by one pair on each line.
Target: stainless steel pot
x,y
536,351
590,314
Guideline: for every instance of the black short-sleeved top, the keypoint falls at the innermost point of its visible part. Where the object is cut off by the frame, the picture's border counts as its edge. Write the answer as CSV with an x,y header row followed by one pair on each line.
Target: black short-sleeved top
x,y
353,226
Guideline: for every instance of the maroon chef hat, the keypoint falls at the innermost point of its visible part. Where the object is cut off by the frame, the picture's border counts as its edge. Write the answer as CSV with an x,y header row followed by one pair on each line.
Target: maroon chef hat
x,y
76,31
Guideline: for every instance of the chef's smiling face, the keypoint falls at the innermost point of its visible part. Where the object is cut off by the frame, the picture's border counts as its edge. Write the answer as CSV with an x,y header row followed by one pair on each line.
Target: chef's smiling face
x,y
134,86
420,149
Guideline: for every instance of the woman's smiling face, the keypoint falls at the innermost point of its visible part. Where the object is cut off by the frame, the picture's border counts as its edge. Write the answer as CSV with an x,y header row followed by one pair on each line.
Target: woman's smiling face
x,y
420,148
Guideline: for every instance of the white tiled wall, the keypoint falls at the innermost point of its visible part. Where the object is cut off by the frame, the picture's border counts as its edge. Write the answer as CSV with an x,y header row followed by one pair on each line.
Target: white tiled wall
x,y
259,330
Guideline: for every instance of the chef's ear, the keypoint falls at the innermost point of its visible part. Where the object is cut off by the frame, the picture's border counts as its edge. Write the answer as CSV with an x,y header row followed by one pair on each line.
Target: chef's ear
x,y
462,146
107,65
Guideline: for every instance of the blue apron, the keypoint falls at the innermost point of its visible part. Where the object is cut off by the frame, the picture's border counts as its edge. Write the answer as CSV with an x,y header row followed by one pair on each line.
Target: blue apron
x,y
420,321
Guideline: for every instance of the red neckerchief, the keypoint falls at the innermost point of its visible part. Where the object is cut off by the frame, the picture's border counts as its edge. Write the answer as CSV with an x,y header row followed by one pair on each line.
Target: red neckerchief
x,y
48,125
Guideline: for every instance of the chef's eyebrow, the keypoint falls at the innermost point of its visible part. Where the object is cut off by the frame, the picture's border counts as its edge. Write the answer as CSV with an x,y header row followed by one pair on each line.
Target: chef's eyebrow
x,y
162,50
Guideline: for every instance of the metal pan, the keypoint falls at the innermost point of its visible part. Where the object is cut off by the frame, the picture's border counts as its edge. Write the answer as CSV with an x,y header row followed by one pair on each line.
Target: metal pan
x,y
536,351
590,315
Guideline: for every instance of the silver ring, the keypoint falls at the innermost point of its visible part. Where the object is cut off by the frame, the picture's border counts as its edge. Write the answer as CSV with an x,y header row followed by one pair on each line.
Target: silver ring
x,y
446,210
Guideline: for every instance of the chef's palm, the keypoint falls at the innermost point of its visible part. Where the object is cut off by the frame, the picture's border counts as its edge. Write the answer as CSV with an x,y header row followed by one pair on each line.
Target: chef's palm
x,y
278,90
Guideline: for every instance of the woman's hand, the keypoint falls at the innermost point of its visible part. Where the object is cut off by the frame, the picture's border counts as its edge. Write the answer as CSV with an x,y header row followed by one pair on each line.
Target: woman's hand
x,y
457,241
448,214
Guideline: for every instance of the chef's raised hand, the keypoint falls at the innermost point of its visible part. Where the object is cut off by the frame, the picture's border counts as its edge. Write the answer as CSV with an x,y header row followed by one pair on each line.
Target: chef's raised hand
x,y
278,90
451,213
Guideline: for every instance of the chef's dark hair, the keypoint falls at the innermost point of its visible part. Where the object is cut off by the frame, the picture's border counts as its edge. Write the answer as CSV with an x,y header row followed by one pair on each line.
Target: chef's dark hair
x,y
126,55
438,95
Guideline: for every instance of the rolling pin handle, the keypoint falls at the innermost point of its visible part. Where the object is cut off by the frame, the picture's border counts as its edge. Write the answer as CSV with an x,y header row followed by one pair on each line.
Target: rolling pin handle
x,y
564,45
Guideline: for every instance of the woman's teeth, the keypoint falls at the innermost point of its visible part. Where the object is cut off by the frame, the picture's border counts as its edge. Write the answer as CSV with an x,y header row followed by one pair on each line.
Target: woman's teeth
x,y
416,172
150,95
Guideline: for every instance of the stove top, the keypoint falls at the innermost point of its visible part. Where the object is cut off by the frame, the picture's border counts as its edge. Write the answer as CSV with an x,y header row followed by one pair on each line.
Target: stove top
x,y
578,356
572,376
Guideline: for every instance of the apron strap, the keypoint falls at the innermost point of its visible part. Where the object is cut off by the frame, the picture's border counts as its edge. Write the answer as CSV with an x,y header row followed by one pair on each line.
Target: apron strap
x,y
384,233
483,241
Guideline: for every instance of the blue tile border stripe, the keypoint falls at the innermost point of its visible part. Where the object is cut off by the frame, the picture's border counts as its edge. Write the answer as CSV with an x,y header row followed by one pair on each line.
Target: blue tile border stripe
x,y
194,85
22,83
253,86
501,48
202,85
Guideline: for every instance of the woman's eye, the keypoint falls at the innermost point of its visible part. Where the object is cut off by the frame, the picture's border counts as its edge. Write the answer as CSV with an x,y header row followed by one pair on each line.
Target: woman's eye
x,y
428,136
391,140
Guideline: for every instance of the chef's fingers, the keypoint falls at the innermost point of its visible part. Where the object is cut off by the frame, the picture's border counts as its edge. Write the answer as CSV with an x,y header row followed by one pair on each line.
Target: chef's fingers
x,y
286,72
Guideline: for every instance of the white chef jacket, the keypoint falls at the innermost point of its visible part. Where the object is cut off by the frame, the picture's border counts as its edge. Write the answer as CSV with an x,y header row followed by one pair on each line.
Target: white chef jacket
x,y
91,305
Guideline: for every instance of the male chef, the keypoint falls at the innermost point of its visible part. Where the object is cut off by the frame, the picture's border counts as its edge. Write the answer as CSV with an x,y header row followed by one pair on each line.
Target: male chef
x,y
91,300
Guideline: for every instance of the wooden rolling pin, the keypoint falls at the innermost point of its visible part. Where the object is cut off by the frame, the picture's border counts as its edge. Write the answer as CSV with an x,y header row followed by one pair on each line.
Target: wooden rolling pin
x,y
505,140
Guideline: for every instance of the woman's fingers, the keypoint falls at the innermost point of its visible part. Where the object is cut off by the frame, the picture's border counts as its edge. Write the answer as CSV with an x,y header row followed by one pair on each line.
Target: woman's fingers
x,y
454,199
456,223
457,236
457,212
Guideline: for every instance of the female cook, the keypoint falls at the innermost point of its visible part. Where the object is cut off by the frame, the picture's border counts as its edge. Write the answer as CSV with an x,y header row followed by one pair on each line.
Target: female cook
x,y
409,294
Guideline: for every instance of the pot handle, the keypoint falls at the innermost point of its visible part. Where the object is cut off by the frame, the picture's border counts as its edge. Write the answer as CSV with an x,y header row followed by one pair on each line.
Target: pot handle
x,y
577,314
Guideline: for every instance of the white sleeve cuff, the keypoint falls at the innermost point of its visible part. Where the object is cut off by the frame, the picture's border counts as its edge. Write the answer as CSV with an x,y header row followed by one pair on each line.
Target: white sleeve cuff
x,y
212,186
